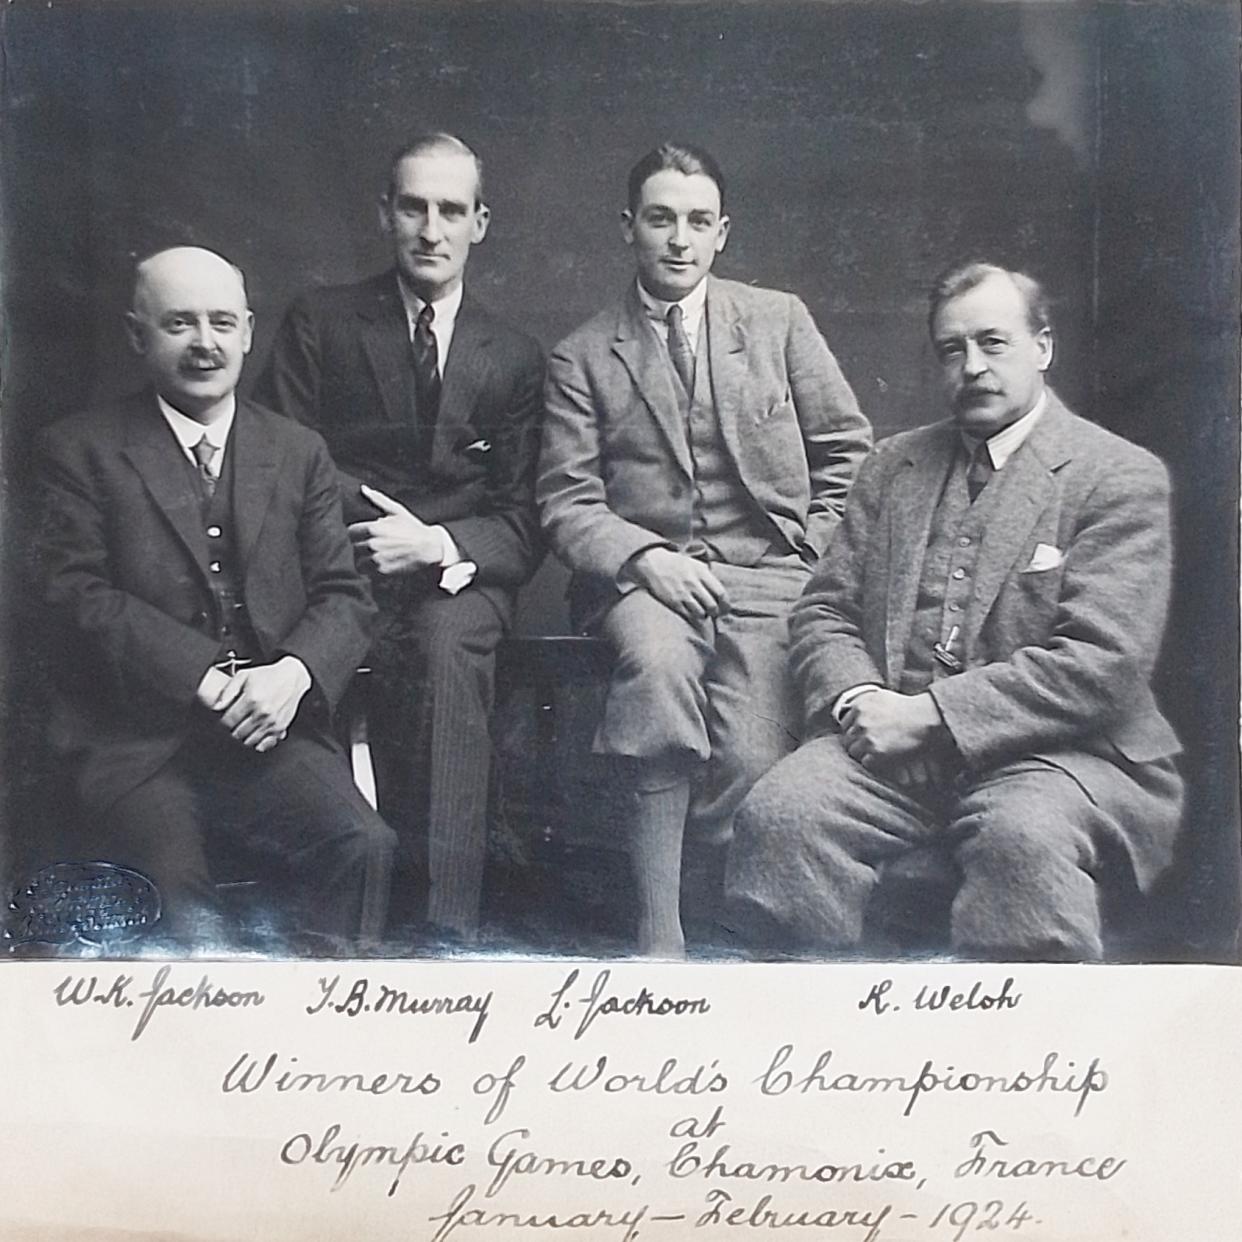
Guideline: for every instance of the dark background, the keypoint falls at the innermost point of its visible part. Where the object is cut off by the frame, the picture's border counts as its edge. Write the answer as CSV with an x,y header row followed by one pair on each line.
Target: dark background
x,y
866,146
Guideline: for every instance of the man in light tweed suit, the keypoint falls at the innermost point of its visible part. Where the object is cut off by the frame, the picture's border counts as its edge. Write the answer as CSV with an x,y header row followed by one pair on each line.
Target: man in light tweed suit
x,y
974,655
698,445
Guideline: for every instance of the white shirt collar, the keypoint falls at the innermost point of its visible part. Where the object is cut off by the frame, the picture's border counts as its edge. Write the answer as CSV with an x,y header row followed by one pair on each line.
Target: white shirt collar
x,y
692,307
1006,442
446,308
189,431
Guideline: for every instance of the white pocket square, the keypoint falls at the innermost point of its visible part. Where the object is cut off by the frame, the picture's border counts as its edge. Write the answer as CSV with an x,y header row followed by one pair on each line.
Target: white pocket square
x,y
1044,557
478,446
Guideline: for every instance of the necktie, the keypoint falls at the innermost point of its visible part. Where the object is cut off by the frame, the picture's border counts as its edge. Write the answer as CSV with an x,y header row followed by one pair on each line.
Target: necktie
x,y
680,350
979,471
203,452
426,375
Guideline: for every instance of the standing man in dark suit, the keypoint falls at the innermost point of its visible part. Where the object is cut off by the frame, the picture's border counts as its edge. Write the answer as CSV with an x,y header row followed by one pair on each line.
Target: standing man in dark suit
x,y
974,657
699,443
203,591
430,407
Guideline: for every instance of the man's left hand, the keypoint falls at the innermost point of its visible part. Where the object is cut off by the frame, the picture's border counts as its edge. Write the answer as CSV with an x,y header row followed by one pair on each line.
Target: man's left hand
x,y
398,542
883,727
258,704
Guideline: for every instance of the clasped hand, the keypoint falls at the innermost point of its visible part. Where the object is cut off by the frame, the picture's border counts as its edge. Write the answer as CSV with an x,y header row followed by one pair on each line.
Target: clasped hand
x,y
257,705
884,729
681,583
398,542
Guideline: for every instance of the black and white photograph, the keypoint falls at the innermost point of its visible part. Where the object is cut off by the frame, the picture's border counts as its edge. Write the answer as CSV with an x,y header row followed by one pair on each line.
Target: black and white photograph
x,y
729,481
619,619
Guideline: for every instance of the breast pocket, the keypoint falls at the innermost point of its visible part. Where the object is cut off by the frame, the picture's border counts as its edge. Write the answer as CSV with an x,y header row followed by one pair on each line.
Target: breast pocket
x,y
777,412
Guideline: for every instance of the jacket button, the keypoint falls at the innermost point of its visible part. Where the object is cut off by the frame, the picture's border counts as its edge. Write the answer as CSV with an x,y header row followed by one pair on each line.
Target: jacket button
x,y
214,567
959,574
213,532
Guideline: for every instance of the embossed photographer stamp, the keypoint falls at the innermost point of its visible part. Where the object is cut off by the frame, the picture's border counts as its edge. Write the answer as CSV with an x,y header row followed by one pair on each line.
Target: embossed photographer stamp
x,y
90,903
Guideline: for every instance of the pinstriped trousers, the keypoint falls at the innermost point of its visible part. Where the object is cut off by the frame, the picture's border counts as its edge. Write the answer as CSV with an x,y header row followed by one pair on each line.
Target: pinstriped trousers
x,y
435,671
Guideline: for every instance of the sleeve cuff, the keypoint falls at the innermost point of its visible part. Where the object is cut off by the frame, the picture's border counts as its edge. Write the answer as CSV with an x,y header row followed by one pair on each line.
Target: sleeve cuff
x,y
846,699
457,573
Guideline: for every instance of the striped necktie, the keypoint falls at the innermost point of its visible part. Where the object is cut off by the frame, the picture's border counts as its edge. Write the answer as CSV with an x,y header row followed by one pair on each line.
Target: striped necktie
x,y
426,377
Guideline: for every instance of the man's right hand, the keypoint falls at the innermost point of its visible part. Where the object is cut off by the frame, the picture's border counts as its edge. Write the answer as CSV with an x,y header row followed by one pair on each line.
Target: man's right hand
x,y
681,583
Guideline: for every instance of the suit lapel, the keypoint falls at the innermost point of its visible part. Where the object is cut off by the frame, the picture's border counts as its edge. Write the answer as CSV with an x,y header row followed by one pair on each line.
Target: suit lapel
x,y
726,353
255,460
639,349
915,493
386,340
466,374
154,453
1024,489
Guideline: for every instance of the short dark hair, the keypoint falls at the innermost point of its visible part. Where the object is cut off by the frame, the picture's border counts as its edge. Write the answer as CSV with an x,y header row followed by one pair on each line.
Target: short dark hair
x,y
426,143
679,157
962,277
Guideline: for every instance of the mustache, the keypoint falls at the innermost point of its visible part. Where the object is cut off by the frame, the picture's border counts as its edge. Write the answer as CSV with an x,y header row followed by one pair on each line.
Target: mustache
x,y
197,354
977,390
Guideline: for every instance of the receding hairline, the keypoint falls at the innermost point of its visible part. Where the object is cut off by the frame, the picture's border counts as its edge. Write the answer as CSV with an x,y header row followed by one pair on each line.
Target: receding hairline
x,y
437,142
142,270
961,278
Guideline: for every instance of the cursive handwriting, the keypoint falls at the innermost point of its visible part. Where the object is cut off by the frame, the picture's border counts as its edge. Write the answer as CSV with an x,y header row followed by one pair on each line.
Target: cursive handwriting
x,y
776,1080
202,996
985,1164
667,1080
974,998
689,1163
459,1214
355,1155
364,997
248,1074
763,1215
597,1003
509,1159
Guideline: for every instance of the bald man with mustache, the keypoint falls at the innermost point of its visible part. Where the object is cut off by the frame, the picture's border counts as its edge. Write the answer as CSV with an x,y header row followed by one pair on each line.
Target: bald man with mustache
x,y
206,616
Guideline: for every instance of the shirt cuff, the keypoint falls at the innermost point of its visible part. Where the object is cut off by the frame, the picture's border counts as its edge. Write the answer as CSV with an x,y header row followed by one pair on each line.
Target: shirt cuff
x,y
847,698
457,573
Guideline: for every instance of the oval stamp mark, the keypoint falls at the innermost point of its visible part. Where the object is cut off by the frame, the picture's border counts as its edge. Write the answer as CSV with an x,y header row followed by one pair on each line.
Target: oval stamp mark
x,y
90,902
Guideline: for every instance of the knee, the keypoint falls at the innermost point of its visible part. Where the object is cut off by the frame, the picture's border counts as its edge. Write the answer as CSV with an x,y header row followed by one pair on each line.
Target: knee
x,y
761,811
1017,838
366,836
440,647
663,665
449,658
784,796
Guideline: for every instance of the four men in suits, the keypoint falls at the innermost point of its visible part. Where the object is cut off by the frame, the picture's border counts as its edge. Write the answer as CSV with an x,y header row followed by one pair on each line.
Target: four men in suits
x,y
974,655
698,446
431,409
207,616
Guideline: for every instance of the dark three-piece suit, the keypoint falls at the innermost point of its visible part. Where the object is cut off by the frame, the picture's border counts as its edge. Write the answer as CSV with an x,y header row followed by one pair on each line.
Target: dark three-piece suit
x,y
133,551
342,363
